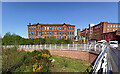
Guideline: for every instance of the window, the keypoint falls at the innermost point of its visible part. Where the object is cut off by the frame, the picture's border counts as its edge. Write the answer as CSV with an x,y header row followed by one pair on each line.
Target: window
x,y
43,37
108,29
60,32
65,28
111,25
63,37
32,37
72,33
39,28
68,28
35,37
29,32
42,32
119,25
42,28
60,28
47,28
34,28
72,37
50,33
34,32
47,36
38,37
113,30
99,26
116,25
73,28
29,27
55,33
37,33
57,37
68,37
52,28
63,32
57,28
60,37
45,32
68,33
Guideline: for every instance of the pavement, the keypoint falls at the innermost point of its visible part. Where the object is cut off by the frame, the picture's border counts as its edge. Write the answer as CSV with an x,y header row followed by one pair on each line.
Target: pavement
x,y
115,59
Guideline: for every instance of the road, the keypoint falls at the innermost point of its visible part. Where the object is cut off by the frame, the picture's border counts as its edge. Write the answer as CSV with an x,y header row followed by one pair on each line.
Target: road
x,y
115,59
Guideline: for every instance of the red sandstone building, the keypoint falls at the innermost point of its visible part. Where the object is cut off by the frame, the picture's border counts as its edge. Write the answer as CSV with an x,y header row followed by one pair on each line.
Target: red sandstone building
x,y
102,31
59,31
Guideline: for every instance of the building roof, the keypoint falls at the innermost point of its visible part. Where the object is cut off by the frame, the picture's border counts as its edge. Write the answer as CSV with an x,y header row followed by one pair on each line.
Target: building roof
x,y
51,24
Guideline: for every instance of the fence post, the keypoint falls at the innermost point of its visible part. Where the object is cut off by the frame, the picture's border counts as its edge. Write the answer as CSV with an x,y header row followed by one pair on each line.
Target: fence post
x,y
45,46
76,46
68,46
50,46
73,45
84,46
61,46
55,46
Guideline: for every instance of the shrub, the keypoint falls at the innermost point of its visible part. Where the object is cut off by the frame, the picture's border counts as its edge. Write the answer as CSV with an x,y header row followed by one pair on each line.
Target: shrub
x,y
14,61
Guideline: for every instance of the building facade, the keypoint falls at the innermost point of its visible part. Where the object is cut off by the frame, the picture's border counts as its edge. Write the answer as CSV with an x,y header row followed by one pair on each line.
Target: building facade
x,y
97,31
59,31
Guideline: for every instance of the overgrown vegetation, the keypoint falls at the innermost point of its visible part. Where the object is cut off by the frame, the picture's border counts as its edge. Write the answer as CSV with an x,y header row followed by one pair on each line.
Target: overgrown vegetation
x,y
13,39
21,61
38,61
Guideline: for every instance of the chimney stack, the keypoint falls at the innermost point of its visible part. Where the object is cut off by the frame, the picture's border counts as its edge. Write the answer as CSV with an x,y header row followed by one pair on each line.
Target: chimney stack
x,y
78,32
29,23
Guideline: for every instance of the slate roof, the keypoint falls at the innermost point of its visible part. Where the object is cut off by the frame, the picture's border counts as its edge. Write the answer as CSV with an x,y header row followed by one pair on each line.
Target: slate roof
x,y
51,24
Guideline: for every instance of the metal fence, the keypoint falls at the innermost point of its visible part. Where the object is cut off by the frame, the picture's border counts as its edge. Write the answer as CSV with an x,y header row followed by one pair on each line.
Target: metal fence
x,y
78,47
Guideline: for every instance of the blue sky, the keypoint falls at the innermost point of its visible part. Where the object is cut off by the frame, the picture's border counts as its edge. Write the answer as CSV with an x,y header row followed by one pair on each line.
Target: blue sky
x,y
17,15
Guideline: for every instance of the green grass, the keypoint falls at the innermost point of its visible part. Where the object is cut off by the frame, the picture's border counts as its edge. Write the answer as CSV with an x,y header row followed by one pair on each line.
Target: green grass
x,y
63,64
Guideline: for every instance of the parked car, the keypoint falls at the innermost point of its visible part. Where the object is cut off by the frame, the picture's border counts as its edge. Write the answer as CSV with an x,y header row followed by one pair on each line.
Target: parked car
x,y
113,44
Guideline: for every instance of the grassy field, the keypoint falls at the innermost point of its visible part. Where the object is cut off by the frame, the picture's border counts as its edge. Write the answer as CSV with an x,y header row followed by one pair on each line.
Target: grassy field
x,y
62,64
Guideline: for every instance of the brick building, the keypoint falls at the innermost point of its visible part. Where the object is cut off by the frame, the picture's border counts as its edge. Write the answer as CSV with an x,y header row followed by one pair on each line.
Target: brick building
x,y
111,36
99,30
59,31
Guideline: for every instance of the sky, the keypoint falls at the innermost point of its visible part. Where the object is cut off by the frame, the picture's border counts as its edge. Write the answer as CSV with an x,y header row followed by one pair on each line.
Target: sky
x,y
17,15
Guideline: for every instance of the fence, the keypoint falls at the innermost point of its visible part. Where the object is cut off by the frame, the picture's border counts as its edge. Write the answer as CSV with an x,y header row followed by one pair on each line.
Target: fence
x,y
78,47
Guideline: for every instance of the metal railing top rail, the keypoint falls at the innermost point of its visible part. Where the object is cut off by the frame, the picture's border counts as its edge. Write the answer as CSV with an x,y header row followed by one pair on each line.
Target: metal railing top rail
x,y
99,57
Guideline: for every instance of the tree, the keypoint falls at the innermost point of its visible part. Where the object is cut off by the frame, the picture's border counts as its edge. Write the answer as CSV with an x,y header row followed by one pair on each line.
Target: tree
x,y
51,40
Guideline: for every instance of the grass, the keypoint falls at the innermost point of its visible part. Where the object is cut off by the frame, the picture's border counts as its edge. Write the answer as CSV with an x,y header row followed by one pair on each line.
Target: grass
x,y
63,64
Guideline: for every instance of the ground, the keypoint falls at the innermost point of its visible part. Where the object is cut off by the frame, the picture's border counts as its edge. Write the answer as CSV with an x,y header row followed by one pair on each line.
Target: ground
x,y
63,64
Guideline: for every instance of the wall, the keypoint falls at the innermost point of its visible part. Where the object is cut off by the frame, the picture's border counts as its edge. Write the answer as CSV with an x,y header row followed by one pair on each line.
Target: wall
x,y
82,55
